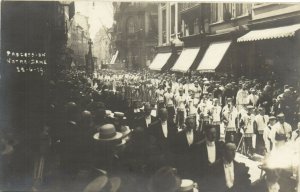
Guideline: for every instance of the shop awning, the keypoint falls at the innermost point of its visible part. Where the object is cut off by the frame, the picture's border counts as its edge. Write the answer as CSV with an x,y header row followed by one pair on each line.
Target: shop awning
x,y
272,33
213,56
159,61
186,59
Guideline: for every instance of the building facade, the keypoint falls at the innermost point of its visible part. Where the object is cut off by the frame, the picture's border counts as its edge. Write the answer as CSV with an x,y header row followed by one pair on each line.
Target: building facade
x,y
214,34
78,40
20,34
33,42
273,41
102,46
135,33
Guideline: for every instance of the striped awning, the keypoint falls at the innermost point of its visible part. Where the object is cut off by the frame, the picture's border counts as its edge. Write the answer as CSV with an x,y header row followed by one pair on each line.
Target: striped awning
x,y
213,56
159,61
186,59
271,33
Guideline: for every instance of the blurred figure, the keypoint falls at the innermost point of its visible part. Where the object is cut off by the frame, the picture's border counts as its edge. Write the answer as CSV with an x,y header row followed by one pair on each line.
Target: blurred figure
x,y
260,124
281,132
165,180
247,123
268,182
267,134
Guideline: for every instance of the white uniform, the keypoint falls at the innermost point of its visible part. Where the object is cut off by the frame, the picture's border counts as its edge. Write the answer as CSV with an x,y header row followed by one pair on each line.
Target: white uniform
x,y
262,122
280,129
230,114
248,120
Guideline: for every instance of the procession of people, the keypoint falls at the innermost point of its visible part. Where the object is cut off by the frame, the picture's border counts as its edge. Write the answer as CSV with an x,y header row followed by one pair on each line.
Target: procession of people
x,y
144,131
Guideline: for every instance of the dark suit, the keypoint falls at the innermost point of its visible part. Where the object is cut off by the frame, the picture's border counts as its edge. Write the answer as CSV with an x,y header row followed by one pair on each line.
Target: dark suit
x,y
218,181
180,148
180,143
199,167
163,145
141,121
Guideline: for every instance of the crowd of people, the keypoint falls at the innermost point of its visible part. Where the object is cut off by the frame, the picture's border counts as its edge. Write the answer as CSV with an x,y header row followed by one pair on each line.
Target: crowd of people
x,y
141,131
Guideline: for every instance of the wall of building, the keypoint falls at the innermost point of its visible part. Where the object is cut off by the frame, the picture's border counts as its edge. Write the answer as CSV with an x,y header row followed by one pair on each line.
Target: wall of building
x,y
135,33
78,40
102,46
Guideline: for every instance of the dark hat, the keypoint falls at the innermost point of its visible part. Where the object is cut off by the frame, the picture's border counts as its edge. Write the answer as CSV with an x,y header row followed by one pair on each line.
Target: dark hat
x,y
107,132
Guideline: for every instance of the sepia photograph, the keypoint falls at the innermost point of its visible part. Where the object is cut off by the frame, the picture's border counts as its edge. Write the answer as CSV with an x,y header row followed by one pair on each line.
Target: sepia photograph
x,y
141,96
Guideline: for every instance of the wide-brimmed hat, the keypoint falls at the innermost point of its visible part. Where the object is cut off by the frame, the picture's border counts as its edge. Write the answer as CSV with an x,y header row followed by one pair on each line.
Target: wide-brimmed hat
x,y
250,107
186,185
107,132
103,182
229,99
280,115
118,114
272,118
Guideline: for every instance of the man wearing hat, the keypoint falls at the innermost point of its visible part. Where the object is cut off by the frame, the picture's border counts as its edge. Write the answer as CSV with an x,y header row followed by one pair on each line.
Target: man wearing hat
x,y
229,116
107,141
260,123
253,97
266,136
247,123
281,132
